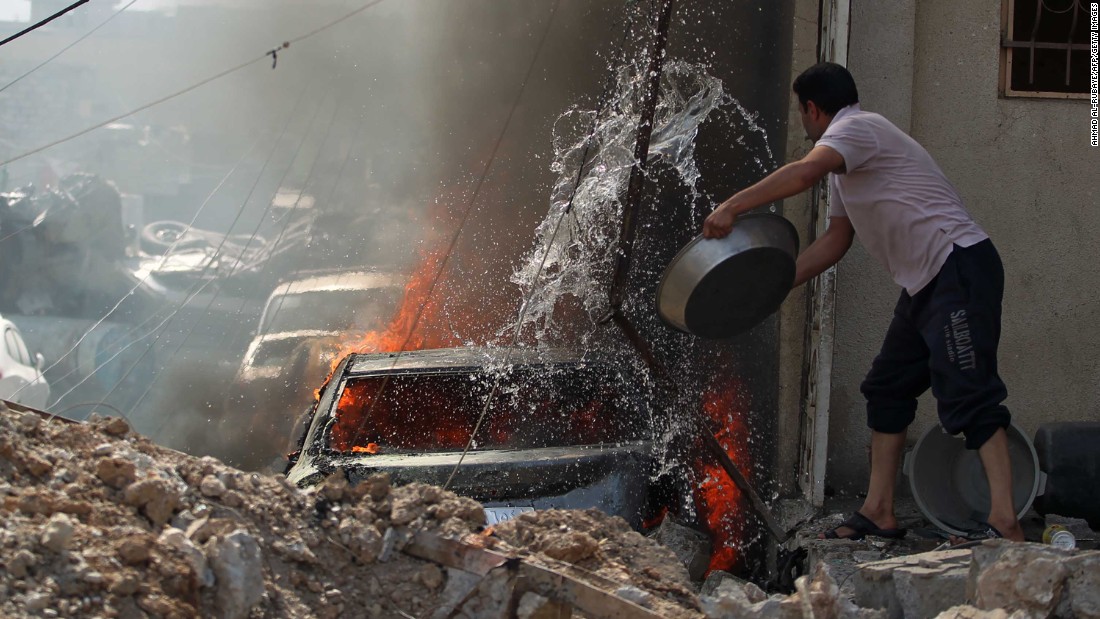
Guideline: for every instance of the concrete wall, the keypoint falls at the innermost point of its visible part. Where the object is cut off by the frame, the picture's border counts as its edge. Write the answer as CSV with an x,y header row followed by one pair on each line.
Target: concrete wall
x,y
1027,174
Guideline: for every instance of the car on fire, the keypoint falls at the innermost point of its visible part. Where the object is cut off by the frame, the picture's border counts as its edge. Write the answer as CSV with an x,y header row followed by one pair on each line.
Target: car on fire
x,y
561,430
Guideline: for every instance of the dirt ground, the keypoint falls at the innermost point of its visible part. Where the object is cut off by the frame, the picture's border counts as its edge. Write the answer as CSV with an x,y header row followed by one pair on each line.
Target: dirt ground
x,y
96,521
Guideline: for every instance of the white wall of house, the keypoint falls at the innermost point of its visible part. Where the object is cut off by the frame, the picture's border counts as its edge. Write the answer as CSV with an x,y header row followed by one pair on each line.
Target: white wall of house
x,y
1026,172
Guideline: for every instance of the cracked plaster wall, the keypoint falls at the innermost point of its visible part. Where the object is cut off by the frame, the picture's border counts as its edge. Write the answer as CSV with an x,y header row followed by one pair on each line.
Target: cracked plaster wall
x,y
1027,174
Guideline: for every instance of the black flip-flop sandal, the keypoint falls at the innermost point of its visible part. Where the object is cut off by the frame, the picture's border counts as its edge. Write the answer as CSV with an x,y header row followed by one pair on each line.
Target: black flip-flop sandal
x,y
863,526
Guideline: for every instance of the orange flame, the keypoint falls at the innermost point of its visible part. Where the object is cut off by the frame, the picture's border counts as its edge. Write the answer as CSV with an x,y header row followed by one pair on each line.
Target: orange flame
x,y
370,448
419,300
716,497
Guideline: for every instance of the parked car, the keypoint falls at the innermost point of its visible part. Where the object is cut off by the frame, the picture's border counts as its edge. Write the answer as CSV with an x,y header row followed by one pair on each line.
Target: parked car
x,y
21,377
305,323
562,431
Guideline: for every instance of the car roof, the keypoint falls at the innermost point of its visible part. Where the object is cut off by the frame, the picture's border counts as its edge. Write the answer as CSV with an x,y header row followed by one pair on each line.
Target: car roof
x,y
341,280
473,358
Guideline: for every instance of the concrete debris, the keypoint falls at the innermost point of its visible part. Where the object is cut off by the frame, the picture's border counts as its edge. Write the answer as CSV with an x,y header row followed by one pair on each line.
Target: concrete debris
x,y
120,527
123,528
921,585
237,564
997,578
692,547
719,583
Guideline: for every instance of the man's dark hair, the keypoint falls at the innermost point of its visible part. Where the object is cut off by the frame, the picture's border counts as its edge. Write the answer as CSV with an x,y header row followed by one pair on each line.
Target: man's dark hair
x,y
829,85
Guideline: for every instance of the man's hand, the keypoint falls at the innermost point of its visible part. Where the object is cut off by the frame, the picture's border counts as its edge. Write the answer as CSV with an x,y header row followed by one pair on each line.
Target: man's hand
x,y
720,222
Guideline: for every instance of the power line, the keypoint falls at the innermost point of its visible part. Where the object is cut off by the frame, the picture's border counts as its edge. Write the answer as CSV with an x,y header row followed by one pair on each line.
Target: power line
x,y
141,282
43,22
466,214
233,224
233,269
69,46
273,53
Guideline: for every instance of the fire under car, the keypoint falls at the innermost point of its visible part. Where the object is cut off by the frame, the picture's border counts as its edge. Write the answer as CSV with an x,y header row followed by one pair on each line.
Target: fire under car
x,y
561,430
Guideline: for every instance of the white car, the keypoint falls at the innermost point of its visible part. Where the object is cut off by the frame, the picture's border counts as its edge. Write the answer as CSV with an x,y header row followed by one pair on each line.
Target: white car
x,y
20,381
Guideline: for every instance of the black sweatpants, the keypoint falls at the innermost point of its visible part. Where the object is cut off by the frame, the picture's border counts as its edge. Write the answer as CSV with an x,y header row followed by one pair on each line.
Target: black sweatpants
x,y
945,337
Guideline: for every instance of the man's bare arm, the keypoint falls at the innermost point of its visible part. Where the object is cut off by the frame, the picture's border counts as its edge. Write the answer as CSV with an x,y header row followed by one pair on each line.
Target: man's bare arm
x,y
826,251
789,180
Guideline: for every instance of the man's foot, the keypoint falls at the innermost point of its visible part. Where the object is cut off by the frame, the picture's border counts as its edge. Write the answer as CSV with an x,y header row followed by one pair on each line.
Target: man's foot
x,y
985,530
858,526
1009,529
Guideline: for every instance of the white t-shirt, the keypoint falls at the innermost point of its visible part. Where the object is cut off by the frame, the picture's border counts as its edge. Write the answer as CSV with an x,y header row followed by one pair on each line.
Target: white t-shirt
x,y
902,207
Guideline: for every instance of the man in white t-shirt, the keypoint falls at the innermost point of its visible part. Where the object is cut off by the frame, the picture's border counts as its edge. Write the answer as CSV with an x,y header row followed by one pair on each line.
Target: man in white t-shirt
x,y
886,189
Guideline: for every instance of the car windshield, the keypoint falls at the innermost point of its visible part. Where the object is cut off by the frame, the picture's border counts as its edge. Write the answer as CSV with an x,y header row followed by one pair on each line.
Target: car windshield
x,y
437,412
330,310
275,352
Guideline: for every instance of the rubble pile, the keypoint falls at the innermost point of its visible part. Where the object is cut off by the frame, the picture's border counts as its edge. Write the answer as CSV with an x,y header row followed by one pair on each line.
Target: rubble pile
x,y
96,521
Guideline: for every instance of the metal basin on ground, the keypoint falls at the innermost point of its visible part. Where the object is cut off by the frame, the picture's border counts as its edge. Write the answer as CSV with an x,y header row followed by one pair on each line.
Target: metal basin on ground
x,y
949,483
719,288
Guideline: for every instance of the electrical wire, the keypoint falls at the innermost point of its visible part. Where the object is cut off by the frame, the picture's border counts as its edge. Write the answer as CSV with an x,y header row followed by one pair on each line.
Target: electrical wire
x,y
240,211
191,331
69,46
171,248
601,107
49,19
465,215
217,76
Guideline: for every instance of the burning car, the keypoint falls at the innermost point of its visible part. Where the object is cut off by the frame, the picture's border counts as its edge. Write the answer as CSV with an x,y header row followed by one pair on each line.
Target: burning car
x,y
554,430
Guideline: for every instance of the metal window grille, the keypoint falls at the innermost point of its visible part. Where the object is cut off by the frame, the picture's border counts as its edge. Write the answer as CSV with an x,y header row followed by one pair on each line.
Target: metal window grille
x,y
1044,49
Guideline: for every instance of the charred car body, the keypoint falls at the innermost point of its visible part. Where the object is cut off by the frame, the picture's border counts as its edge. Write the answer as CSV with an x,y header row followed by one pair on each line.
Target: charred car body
x,y
560,431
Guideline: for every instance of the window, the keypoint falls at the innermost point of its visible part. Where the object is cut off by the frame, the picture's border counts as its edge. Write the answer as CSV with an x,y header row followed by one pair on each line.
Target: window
x,y
1044,49
11,342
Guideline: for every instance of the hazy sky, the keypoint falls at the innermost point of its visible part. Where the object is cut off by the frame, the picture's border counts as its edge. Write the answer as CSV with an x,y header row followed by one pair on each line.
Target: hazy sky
x,y
15,10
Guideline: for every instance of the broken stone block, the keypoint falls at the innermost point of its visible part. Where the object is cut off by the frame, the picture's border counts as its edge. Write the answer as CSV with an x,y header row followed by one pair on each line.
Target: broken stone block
x,y
178,540
1082,595
720,583
534,606
156,498
908,587
238,571
116,426
928,591
211,486
1017,576
20,563
59,531
691,547
572,547
116,472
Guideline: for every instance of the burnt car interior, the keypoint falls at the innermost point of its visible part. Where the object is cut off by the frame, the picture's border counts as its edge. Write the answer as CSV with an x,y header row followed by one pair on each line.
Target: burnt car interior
x,y
438,411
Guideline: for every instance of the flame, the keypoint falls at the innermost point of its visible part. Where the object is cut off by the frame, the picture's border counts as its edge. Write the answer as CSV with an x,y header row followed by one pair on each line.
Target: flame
x,y
716,497
655,520
371,448
419,300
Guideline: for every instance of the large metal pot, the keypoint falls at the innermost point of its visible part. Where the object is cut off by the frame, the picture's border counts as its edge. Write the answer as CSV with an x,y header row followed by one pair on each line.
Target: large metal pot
x,y
719,288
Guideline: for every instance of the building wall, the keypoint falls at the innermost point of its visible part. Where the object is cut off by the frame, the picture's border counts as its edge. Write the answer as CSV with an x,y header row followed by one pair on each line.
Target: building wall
x,y
1025,171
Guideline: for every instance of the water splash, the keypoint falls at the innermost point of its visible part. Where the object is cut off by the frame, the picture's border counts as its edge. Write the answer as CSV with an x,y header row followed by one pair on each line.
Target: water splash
x,y
574,252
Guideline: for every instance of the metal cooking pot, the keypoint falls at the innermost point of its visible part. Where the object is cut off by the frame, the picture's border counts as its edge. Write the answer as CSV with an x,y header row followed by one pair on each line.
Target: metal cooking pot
x,y
719,288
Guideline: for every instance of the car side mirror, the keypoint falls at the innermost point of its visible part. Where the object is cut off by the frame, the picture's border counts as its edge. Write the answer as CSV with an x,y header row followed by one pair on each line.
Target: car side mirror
x,y
39,361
